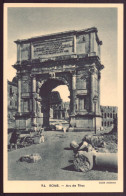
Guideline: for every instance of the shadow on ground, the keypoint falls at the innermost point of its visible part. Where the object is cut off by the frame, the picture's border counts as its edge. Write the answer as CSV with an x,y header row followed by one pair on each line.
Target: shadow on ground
x,y
67,148
69,168
95,168
115,170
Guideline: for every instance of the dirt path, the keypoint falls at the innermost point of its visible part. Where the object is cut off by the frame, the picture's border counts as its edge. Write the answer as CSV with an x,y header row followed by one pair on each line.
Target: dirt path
x,y
56,163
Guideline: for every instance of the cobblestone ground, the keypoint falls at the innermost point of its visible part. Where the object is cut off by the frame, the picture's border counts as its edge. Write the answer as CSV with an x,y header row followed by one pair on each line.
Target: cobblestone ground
x,y
56,163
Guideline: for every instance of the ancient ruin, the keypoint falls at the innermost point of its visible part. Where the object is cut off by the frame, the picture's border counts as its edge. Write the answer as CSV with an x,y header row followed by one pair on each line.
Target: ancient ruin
x,y
69,58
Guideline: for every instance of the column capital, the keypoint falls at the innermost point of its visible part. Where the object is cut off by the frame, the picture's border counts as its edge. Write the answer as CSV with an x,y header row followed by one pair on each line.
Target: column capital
x,y
33,76
19,76
73,72
93,69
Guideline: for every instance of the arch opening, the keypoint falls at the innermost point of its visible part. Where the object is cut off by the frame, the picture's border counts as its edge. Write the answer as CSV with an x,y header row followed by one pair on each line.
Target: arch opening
x,y
55,96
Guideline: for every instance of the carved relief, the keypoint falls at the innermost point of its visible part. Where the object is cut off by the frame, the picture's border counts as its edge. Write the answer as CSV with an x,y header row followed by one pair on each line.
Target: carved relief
x,y
82,80
39,85
92,70
84,76
26,86
81,44
81,39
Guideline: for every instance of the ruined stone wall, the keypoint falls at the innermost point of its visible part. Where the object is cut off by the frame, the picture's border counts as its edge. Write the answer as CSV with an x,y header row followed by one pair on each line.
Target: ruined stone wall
x,y
12,103
26,86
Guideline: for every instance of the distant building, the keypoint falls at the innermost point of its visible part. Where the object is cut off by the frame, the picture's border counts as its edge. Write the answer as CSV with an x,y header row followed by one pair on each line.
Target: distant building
x,y
109,114
12,102
59,108
61,111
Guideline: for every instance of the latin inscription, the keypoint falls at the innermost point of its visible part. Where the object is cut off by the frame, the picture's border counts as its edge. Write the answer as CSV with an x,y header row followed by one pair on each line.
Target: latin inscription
x,y
53,47
58,47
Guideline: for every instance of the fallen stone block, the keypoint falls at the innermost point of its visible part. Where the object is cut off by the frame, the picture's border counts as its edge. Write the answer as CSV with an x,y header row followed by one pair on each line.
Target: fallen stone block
x,y
84,146
30,158
38,139
104,150
83,161
74,145
94,140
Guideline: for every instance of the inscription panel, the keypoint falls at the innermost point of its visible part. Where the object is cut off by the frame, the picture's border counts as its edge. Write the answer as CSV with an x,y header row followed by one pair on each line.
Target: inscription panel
x,y
59,47
53,47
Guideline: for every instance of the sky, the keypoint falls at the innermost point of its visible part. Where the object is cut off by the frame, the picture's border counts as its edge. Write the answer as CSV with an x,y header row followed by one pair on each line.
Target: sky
x,y
31,21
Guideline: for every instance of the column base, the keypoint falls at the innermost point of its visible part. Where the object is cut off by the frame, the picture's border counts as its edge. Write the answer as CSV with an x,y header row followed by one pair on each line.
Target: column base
x,y
80,129
28,121
85,122
23,122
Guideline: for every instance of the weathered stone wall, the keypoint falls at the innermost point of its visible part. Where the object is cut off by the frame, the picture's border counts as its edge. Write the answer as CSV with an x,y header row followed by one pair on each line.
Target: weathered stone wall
x,y
12,103
26,85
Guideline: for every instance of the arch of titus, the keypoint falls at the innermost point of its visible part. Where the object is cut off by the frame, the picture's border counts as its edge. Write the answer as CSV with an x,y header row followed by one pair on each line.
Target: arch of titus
x,y
69,58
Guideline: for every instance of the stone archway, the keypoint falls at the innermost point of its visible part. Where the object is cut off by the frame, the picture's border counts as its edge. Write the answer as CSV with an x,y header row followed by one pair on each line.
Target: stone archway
x,y
44,94
70,58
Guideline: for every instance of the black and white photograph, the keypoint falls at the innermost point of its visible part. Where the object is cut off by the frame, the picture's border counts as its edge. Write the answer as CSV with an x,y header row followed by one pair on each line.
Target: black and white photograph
x,y
63,97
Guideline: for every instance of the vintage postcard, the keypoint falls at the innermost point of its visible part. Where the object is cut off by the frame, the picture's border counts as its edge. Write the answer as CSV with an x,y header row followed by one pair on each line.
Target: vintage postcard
x,y
63,98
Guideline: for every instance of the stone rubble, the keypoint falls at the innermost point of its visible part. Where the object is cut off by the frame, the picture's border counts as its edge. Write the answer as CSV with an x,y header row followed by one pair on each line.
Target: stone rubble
x,y
86,150
83,161
19,140
32,158
74,145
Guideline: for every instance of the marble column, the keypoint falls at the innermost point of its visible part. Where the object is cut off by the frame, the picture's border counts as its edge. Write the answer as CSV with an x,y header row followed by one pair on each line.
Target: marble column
x,y
19,94
92,92
34,93
32,51
34,98
75,44
99,77
77,104
74,93
18,53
